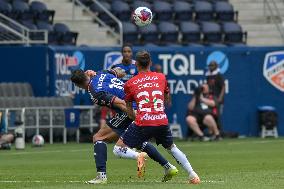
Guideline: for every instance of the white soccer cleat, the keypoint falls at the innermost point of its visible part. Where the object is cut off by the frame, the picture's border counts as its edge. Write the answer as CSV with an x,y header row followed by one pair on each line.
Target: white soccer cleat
x,y
97,180
194,178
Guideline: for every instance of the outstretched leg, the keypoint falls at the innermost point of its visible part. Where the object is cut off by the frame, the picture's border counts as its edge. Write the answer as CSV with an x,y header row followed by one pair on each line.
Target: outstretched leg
x,y
183,161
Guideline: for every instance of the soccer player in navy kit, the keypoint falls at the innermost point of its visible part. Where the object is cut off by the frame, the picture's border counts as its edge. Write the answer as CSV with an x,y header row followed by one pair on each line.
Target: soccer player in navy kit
x,y
127,64
106,89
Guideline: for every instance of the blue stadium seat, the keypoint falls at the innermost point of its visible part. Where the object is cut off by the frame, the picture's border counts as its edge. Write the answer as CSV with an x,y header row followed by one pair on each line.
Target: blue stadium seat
x,y
190,32
22,11
121,10
169,32
136,4
163,11
101,14
204,11
224,11
183,11
130,33
41,12
233,32
149,34
5,8
212,32
52,36
64,35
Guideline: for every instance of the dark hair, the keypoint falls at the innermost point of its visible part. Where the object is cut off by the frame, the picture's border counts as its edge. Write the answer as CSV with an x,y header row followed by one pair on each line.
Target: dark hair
x,y
143,58
78,77
126,45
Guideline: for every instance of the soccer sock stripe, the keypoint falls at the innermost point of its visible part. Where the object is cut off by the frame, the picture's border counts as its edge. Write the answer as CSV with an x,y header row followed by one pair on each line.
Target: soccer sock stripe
x,y
100,155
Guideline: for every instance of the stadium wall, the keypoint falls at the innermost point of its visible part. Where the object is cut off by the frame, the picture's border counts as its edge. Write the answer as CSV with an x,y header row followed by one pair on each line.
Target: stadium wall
x,y
254,76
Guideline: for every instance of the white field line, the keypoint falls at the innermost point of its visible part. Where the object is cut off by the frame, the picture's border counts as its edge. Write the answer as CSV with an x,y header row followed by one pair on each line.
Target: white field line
x,y
231,143
44,152
110,182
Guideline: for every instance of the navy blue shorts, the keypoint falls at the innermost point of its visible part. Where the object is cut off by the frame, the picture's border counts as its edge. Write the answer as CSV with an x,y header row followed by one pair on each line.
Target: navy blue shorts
x,y
119,123
135,136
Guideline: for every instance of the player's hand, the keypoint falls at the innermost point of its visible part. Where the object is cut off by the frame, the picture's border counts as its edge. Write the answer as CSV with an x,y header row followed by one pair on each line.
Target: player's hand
x,y
119,72
90,73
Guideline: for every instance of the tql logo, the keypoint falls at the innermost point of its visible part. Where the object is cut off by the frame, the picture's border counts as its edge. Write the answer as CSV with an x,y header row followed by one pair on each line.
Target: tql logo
x,y
273,69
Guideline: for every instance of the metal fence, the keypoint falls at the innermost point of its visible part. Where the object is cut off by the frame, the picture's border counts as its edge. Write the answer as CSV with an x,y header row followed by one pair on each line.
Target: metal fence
x,y
36,119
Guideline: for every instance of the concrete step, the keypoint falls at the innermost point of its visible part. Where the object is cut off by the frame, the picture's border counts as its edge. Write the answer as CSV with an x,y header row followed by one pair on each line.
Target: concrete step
x,y
89,32
252,1
264,42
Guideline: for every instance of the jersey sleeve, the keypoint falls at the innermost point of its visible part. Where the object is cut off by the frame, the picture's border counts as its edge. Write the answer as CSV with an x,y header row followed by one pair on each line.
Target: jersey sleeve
x,y
128,94
103,98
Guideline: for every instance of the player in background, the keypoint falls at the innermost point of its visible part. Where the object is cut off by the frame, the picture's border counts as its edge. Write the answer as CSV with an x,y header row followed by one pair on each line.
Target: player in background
x,y
106,89
127,64
150,91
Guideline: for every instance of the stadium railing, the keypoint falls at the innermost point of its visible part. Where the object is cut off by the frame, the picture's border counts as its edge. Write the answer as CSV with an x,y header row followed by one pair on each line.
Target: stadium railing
x,y
13,32
11,115
272,12
118,36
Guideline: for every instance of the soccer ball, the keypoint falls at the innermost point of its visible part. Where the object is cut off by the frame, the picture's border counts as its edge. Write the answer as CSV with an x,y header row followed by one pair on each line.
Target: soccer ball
x,y
38,140
142,16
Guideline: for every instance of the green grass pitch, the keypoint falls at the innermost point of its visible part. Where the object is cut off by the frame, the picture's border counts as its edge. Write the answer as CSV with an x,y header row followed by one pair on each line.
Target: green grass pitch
x,y
242,163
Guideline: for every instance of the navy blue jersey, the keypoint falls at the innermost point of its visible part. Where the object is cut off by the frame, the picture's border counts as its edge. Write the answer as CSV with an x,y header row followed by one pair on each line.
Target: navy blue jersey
x,y
130,70
104,87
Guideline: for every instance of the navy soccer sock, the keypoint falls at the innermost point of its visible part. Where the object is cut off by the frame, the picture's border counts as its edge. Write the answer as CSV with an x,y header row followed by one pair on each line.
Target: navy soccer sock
x,y
153,153
100,155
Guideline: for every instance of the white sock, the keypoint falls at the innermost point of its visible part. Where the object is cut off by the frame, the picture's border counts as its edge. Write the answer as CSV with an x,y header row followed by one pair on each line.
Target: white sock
x,y
181,159
125,152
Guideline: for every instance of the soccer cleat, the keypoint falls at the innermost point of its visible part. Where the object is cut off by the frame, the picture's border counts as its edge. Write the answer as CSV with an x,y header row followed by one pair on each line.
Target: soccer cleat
x,y
98,180
141,164
169,173
194,178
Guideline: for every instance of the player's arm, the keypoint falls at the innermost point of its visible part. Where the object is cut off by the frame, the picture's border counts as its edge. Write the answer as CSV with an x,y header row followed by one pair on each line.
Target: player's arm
x,y
103,98
129,99
208,102
119,103
129,110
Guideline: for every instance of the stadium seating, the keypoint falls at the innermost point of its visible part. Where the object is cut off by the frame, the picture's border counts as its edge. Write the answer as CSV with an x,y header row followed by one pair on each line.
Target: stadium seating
x,y
233,33
35,15
130,33
168,32
203,10
197,22
190,32
163,10
212,32
149,34
121,10
183,11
